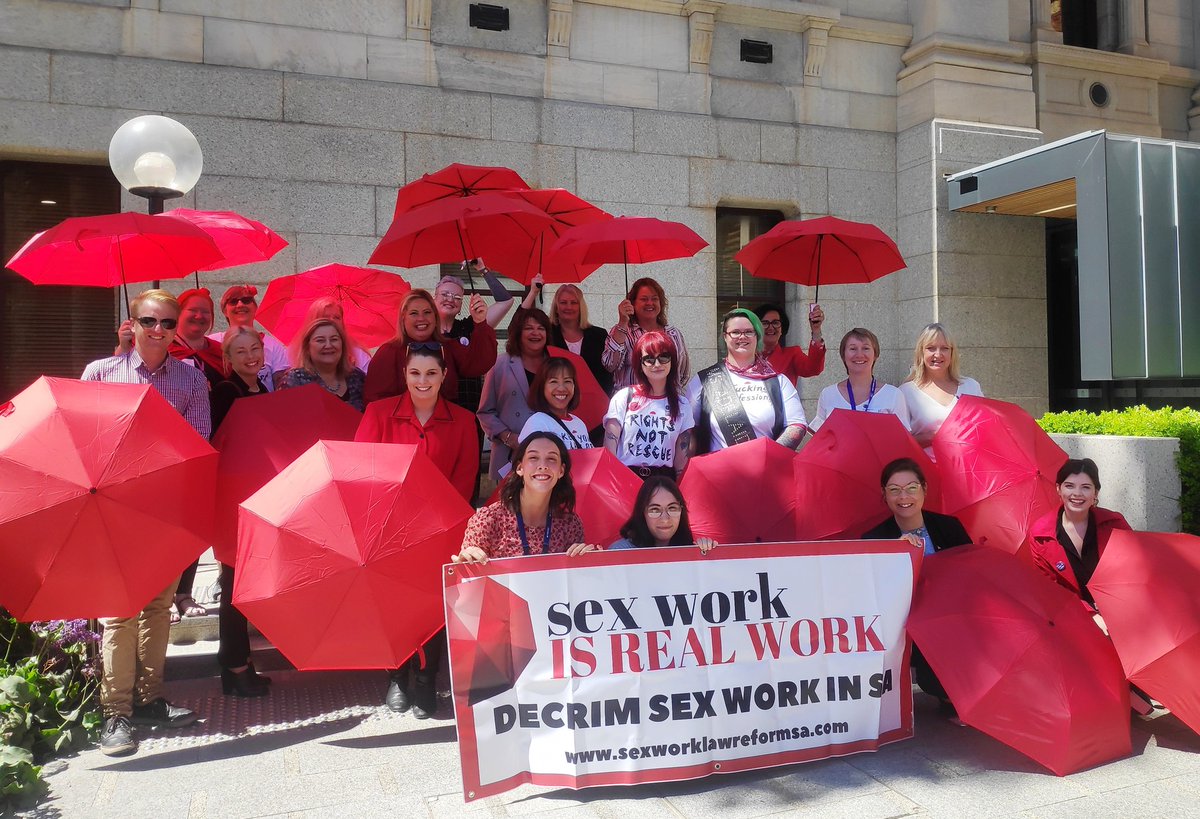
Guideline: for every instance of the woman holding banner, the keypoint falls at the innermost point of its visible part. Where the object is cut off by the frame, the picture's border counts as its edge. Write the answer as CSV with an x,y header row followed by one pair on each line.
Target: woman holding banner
x,y
743,398
536,511
660,518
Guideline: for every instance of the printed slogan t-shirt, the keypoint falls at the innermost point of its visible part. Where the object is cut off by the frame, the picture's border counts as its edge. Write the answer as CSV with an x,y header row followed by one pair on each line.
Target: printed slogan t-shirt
x,y
648,434
756,402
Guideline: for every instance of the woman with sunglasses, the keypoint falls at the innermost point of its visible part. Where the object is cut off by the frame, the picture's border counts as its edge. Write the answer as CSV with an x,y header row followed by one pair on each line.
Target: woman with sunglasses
x,y
743,398
648,425
791,361
504,405
860,391
552,397
446,433
903,485
322,356
660,518
535,514
419,322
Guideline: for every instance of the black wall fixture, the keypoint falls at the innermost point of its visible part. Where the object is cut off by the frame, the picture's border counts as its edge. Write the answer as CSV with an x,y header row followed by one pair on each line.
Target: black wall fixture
x,y
757,51
488,17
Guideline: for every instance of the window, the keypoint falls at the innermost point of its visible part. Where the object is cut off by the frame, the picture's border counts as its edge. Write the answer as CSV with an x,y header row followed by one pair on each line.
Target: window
x,y
44,329
735,287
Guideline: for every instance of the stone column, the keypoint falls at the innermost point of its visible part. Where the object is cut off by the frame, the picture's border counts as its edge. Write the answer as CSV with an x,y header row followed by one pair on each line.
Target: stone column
x,y
701,20
1131,34
558,29
1043,25
420,13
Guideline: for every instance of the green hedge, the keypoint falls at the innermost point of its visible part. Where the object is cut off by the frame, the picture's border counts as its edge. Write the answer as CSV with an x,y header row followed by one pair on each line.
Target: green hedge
x,y
1183,424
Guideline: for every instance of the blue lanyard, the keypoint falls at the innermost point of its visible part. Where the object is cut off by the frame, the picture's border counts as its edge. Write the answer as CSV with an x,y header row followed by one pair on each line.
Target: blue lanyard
x,y
870,397
525,537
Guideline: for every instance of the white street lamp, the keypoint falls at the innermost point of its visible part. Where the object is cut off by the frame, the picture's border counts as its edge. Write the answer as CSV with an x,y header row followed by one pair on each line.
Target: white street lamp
x,y
156,158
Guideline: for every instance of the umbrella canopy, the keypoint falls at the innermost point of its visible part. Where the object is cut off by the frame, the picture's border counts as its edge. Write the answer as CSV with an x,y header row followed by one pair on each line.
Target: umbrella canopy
x,y
340,556
460,228
626,240
593,400
742,494
456,180
115,249
605,490
370,301
1000,468
1145,587
827,249
490,634
239,239
107,496
837,474
263,434
1021,659
566,210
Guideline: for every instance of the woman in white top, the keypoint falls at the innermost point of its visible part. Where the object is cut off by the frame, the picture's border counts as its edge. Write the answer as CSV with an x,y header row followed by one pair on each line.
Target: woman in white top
x,y
861,391
552,396
743,398
934,386
648,425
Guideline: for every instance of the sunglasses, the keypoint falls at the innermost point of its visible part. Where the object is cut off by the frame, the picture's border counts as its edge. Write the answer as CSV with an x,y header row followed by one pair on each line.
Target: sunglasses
x,y
651,360
241,300
149,321
425,346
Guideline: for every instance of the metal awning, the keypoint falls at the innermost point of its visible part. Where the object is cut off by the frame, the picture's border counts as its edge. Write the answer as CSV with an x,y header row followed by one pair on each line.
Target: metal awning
x,y
1137,204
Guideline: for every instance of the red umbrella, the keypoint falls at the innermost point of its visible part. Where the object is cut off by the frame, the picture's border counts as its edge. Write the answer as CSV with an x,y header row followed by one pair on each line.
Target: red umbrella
x,y
460,228
456,180
240,240
742,494
107,497
115,249
340,556
370,301
604,493
1003,467
1145,587
830,249
1021,659
263,434
837,474
593,401
566,211
627,239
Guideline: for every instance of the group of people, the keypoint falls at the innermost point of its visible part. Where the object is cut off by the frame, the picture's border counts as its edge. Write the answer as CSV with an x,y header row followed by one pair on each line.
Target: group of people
x,y
422,388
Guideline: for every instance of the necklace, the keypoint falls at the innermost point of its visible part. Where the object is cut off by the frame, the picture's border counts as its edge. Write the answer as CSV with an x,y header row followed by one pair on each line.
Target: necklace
x,y
335,389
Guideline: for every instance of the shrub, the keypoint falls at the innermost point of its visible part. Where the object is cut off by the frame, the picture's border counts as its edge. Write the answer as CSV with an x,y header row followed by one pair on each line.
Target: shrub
x,y
1142,421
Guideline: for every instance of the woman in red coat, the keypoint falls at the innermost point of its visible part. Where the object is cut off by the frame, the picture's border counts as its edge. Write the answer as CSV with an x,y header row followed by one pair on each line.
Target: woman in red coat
x,y
446,433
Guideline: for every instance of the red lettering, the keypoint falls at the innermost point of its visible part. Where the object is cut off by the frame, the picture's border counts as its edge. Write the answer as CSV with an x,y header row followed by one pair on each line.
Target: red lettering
x,y
836,629
814,638
865,632
656,650
625,650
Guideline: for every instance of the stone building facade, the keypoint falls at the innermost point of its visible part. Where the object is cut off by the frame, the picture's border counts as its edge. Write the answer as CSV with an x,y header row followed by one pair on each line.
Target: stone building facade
x,y
310,114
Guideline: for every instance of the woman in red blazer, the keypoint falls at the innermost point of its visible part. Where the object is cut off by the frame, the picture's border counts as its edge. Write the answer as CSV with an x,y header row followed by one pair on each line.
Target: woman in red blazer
x,y
446,433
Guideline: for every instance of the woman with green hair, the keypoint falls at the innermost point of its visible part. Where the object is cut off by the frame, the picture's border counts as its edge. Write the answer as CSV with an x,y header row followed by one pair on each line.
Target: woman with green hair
x,y
743,398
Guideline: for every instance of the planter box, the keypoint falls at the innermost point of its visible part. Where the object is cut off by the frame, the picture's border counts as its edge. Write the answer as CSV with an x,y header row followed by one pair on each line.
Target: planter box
x,y
1139,476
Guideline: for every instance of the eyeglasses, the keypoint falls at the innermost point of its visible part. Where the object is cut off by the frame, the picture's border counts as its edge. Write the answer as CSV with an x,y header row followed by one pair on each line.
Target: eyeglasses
x,y
672,511
450,297
424,346
651,360
774,324
241,300
740,333
150,321
911,489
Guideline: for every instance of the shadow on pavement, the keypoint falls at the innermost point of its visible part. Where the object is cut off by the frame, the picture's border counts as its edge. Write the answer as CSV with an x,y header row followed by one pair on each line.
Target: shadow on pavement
x,y
424,736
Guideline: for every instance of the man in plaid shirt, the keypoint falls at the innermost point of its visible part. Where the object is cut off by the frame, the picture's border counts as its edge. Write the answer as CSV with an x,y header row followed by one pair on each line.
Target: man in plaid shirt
x,y
135,648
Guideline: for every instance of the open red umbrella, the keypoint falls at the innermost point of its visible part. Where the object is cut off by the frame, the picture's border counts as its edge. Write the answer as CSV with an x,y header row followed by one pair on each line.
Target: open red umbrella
x,y
828,249
340,555
456,180
604,493
460,228
1146,589
742,494
370,301
837,474
593,401
999,468
240,240
263,434
566,210
1021,659
106,495
626,239
115,249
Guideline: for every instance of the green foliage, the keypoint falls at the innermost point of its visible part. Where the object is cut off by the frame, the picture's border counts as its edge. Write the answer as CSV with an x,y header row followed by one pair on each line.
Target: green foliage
x,y
49,675
1142,421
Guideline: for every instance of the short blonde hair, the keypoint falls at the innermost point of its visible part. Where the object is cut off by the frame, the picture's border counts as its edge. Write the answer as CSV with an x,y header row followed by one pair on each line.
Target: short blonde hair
x,y
233,334
157,297
583,313
301,357
930,334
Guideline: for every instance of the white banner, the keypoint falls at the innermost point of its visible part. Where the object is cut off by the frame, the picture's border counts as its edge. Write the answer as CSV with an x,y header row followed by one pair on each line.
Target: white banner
x,y
650,665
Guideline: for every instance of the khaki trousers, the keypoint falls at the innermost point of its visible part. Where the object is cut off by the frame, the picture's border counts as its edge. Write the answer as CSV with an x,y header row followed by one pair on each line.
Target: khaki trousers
x,y
134,652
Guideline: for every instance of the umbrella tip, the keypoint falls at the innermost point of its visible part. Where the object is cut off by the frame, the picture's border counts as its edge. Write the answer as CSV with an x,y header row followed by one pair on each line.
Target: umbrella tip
x,y
92,491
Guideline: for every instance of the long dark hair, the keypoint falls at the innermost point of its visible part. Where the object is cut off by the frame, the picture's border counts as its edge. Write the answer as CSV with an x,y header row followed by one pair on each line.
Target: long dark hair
x,y
562,496
656,343
635,529
555,365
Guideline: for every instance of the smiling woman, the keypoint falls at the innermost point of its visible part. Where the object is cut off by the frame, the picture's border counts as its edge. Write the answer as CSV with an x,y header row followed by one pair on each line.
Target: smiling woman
x,y
934,385
504,406
322,355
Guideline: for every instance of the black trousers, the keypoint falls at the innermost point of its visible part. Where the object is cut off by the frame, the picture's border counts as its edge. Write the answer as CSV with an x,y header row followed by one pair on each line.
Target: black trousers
x,y
232,627
187,579
926,679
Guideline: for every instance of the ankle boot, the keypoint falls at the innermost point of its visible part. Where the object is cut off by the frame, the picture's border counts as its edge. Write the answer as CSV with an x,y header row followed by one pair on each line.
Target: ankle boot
x,y
424,695
397,691
241,683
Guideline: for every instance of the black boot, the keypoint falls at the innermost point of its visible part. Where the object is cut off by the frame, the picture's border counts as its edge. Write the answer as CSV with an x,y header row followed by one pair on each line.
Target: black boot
x,y
242,683
424,695
397,692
